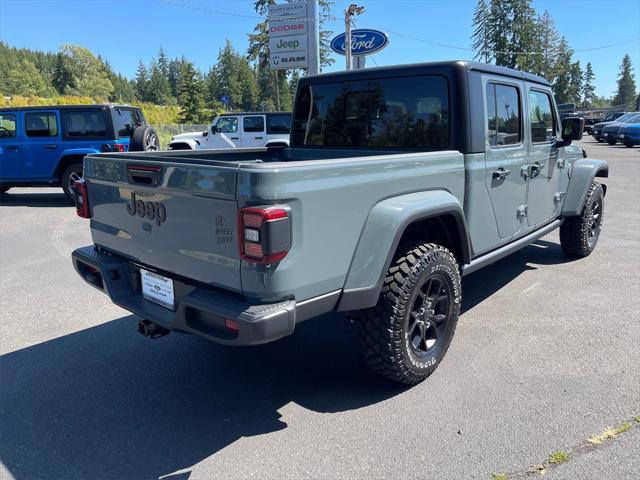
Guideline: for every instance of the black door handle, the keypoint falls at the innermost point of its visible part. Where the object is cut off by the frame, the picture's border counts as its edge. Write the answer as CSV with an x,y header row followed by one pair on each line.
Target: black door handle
x,y
501,173
12,148
258,138
535,169
234,138
51,147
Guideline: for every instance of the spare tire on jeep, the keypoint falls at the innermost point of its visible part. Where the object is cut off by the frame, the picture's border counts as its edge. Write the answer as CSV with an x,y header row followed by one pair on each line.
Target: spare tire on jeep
x,y
143,139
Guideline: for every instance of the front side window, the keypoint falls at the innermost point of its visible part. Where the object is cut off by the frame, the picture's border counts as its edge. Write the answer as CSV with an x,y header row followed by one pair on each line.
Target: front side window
x,y
41,124
543,127
84,124
227,125
405,112
503,115
7,125
126,120
253,124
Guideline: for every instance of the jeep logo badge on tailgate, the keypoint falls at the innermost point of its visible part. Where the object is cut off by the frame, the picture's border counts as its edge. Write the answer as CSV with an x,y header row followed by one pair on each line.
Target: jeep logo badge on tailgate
x,y
151,210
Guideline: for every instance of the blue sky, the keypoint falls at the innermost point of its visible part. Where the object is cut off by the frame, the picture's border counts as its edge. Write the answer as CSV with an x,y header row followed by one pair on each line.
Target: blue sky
x,y
125,31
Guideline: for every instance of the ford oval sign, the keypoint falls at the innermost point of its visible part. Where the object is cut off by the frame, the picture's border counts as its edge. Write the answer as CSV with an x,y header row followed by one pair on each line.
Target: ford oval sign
x,y
363,42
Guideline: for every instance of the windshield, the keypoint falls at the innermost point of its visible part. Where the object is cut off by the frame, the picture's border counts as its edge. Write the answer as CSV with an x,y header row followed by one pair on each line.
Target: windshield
x,y
406,112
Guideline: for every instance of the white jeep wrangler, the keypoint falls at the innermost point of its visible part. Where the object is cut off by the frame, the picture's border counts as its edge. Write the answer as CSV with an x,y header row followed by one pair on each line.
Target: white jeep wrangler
x,y
238,130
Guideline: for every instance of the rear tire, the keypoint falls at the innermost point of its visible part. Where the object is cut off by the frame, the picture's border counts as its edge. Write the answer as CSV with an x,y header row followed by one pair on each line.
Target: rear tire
x,y
611,142
579,235
406,335
628,145
70,174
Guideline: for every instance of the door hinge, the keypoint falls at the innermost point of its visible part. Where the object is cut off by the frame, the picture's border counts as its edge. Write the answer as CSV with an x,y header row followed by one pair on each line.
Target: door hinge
x,y
522,211
562,162
559,196
524,171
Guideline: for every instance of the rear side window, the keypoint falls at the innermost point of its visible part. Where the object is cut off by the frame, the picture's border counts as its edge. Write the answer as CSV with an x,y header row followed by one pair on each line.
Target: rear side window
x,y
126,120
41,124
543,127
279,123
84,124
253,124
503,115
405,112
7,125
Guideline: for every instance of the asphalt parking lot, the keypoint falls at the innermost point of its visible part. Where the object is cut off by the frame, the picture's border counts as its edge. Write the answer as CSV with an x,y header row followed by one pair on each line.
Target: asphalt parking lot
x,y
546,354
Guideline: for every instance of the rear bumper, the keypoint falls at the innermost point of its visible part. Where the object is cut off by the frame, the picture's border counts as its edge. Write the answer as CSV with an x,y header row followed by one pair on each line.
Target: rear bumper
x,y
199,310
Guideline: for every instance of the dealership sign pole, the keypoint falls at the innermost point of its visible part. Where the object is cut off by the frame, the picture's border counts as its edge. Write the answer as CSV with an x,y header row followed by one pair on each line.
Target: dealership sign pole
x,y
294,36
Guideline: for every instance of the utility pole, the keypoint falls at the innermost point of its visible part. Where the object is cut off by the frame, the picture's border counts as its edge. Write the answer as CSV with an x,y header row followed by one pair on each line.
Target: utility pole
x,y
348,14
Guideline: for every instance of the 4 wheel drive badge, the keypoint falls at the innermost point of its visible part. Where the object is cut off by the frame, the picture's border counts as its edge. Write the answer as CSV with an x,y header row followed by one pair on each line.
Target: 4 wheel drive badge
x,y
152,210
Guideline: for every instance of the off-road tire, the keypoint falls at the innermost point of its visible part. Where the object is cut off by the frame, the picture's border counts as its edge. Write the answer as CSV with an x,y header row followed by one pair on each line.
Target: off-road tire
x,y
577,235
384,335
144,139
69,175
612,142
628,145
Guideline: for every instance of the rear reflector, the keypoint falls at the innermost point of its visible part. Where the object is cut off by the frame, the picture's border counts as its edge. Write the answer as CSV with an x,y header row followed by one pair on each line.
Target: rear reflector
x,y
231,325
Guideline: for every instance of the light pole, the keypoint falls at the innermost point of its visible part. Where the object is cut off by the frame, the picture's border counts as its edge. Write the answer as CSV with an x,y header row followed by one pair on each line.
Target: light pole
x,y
348,14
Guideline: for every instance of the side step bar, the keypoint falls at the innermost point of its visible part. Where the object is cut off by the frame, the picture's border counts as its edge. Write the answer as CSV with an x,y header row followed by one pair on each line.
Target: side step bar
x,y
495,255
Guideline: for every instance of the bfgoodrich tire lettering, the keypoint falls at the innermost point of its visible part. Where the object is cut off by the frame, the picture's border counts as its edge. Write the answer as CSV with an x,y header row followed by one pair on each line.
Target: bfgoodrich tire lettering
x,y
579,235
406,335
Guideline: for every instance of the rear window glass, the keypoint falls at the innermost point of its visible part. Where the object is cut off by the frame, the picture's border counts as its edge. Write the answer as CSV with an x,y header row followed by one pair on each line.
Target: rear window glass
x,y
279,123
126,120
253,124
84,123
41,124
7,125
407,112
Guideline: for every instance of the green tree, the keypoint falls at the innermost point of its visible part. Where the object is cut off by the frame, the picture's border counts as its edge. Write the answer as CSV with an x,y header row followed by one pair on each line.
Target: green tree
x,y
499,28
549,42
626,92
25,80
481,33
191,88
141,82
524,42
123,89
86,74
158,89
575,83
588,89
562,78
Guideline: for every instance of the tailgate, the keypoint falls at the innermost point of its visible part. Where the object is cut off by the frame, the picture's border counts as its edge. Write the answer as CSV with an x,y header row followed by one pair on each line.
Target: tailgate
x,y
177,217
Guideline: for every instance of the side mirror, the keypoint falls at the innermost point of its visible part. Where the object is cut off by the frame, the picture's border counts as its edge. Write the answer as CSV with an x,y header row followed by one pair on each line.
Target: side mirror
x,y
572,128
205,133
214,129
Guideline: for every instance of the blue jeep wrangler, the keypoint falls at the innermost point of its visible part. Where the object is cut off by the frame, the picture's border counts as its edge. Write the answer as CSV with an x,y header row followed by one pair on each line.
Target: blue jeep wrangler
x,y
45,146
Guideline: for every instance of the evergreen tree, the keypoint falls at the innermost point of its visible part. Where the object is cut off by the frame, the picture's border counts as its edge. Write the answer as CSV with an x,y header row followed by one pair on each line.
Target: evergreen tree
x,y
191,98
626,94
588,89
158,89
499,30
481,33
549,41
123,89
524,35
561,82
141,82
61,79
575,83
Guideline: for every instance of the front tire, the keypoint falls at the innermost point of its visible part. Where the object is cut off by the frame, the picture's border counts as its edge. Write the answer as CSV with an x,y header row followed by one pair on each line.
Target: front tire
x,y
406,335
579,235
71,174
612,142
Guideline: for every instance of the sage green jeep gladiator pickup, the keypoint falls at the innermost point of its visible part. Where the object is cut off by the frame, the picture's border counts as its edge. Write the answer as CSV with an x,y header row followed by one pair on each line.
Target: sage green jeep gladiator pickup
x,y
397,182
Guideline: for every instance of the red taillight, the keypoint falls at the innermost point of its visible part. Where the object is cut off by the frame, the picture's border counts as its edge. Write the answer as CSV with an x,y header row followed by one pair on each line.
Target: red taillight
x,y
231,325
82,199
264,233
118,147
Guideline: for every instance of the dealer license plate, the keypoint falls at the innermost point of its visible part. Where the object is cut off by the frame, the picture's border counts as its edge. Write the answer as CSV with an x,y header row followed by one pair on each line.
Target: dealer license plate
x,y
157,289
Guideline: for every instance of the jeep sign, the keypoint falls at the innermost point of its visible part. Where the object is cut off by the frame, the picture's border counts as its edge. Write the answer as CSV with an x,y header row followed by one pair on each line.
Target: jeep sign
x,y
363,42
293,43
293,36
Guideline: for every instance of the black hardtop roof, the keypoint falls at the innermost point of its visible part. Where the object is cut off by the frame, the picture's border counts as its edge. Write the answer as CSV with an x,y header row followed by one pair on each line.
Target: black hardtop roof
x,y
67,107
423,68
235,114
